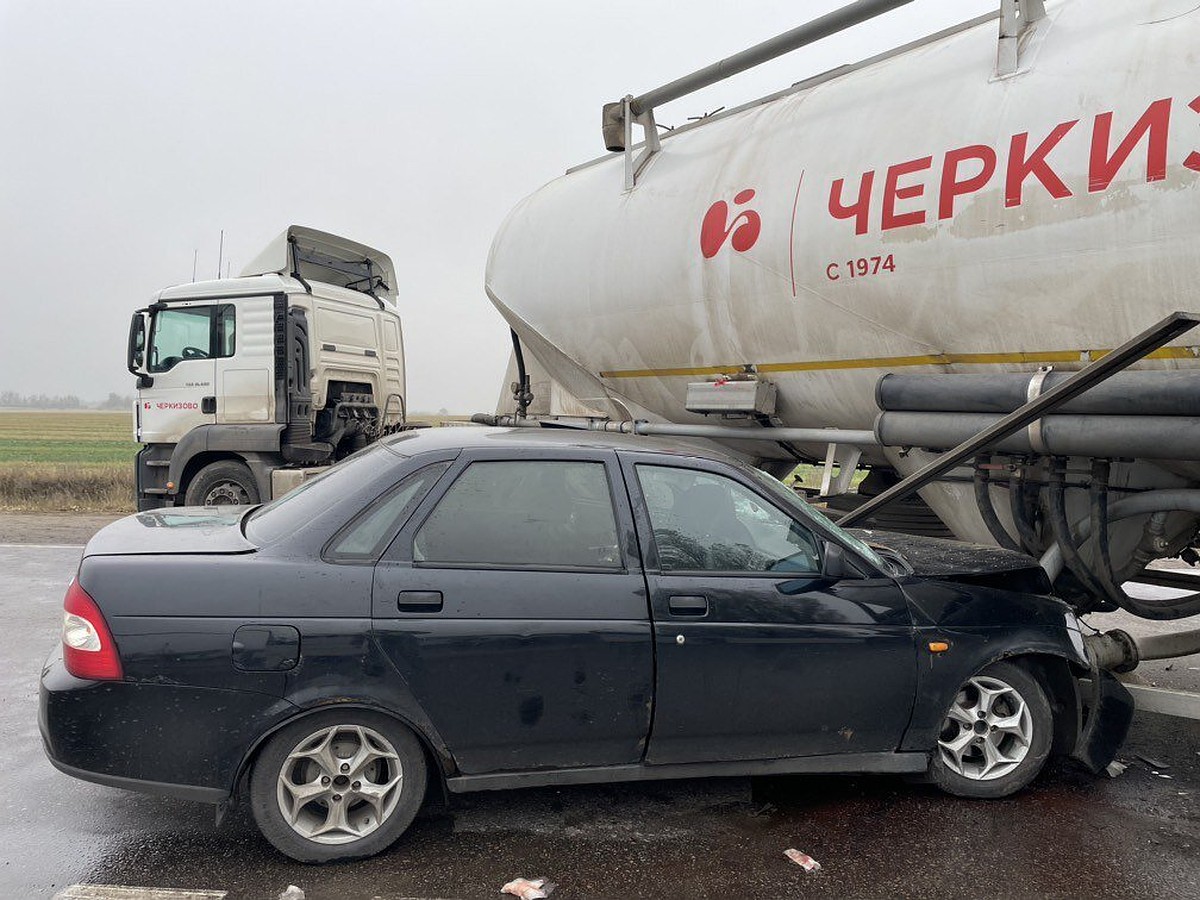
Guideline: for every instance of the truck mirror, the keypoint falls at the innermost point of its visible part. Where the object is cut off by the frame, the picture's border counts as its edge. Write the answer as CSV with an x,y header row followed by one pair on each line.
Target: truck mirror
x,y
136,352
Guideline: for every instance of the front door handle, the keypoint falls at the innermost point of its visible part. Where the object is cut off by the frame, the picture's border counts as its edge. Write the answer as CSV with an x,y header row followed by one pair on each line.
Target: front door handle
x,y
208,406
688,605
419,601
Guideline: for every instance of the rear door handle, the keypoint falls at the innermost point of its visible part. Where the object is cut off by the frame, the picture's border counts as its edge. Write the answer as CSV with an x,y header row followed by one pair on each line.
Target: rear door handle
x,y
419,601
688,605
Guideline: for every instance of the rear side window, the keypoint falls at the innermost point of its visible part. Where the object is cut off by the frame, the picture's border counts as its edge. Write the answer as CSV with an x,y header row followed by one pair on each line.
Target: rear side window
x,y
368,535
295,509
533,513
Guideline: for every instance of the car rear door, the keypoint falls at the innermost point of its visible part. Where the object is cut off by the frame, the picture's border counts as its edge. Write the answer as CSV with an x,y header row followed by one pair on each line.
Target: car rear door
x,y
513,605
759,655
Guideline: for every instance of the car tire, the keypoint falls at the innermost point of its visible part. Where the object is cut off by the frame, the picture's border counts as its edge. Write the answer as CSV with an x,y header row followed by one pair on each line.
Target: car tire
x,y
224,483
319,788
996,735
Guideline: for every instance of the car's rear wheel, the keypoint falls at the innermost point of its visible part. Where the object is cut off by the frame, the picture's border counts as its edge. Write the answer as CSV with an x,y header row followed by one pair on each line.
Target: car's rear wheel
x,y
224,483
996,735
338,785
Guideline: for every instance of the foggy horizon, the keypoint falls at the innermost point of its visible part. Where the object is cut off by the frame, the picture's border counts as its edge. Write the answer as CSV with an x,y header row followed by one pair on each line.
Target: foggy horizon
x,y
138,131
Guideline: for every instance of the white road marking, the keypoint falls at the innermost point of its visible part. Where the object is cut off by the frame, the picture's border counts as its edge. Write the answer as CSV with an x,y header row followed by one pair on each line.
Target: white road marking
x,y
125,892
41,546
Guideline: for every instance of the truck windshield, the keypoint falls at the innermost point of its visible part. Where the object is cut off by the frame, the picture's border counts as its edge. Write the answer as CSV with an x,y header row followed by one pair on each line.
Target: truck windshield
x,y
783,492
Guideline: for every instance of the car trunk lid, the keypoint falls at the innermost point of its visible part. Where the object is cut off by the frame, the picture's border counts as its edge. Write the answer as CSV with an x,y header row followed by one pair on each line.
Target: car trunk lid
x,y
205,530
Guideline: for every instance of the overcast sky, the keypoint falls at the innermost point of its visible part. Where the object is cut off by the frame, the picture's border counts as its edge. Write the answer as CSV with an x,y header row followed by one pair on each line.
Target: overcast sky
x,y
135,130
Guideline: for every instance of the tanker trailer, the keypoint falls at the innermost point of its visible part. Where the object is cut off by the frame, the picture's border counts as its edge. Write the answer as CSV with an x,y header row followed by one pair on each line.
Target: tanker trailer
x,y
876,263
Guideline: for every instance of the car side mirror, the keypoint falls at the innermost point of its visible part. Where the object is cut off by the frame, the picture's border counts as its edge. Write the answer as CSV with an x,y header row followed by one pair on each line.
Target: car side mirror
x,y
837,564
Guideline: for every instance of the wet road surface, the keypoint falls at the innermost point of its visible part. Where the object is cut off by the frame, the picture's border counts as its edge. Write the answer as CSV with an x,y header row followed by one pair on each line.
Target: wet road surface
x,y
1069,835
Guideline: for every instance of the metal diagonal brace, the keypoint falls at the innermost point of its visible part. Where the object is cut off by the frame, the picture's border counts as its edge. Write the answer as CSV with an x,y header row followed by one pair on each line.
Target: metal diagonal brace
x,y
1124,356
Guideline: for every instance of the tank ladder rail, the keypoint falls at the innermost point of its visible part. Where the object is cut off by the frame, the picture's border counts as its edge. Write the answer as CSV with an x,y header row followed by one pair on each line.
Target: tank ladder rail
x,y
1094,373
618,118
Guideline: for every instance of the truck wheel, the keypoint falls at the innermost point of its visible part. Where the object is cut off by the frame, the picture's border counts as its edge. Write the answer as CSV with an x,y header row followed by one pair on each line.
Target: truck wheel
x,y
224,483
996,736
338,785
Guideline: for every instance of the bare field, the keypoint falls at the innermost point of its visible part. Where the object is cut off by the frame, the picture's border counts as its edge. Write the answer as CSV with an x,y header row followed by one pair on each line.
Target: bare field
x,y
76,461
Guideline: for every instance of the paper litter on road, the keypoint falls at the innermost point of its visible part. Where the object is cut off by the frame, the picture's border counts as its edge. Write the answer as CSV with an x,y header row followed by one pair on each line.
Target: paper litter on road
x,y
1115,768
292,893
803,860
529,888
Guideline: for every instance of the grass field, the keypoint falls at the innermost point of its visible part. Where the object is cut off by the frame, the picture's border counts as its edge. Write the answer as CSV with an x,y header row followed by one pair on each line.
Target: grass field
x,y
66,461
83,461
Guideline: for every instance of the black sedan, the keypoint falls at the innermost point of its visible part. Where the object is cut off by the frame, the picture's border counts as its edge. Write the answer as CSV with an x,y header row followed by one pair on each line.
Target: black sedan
x,y
473,609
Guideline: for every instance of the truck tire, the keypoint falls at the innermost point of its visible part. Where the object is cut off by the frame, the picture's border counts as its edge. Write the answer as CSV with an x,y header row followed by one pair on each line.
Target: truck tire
x,y
224,483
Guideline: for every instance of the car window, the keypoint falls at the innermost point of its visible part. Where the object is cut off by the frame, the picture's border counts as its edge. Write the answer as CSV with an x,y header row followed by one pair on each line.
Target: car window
x,y
709,523
297,508
368,535
537,513
805,510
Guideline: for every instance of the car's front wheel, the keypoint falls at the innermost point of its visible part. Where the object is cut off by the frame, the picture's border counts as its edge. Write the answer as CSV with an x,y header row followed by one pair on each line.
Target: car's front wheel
x,y
996,735
338,785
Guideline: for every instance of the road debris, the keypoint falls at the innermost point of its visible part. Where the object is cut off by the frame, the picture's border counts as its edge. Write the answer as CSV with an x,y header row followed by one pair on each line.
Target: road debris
x,y
803,860
1151,762
292,893
529,888
1115,768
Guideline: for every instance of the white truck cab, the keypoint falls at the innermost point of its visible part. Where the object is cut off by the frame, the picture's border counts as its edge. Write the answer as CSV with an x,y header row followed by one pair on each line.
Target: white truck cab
x,y
244,383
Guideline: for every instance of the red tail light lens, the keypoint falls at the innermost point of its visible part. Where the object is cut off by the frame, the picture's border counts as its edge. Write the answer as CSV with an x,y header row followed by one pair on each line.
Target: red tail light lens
x,y
89,650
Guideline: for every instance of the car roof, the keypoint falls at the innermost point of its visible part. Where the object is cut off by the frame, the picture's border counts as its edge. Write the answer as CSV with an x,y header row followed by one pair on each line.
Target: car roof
x,y
425,440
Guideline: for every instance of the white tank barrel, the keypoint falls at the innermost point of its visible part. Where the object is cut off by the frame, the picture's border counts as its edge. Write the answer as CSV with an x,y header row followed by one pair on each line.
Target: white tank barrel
x,y
924,213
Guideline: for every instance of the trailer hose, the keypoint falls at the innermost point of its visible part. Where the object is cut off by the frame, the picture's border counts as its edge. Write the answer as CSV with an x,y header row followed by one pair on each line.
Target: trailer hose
x,y
1148,503
1065,540
983,499
1018,499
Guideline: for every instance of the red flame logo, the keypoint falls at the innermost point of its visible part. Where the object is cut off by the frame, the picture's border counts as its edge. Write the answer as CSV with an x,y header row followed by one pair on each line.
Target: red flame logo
x,y
716,227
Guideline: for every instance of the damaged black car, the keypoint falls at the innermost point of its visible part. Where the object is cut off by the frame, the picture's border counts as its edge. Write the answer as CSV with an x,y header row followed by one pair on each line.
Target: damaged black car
x,y
467,609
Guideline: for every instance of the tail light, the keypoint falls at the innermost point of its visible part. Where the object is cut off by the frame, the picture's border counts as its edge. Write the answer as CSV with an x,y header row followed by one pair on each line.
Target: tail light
x,y
89,650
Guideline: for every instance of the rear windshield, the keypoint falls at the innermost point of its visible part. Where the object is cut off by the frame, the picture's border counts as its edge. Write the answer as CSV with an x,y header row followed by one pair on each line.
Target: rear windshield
x,y
297,508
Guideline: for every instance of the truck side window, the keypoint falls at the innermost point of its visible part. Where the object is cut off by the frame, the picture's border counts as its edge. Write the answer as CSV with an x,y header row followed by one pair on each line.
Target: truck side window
x,y
534,514
705,522
193,332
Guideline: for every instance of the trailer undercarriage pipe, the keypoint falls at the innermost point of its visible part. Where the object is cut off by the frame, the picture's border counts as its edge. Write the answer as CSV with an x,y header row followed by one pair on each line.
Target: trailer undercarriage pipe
x,y
1148,503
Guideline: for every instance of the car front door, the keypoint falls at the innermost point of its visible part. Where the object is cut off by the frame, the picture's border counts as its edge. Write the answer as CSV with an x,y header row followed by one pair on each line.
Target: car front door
x,y
760,655
513,606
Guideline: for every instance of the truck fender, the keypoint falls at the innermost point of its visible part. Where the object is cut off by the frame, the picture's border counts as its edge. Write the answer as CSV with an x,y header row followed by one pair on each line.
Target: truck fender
x,y
242,440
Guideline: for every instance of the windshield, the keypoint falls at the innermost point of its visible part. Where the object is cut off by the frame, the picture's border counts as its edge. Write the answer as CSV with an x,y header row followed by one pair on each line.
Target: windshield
x,y
297,508
783,492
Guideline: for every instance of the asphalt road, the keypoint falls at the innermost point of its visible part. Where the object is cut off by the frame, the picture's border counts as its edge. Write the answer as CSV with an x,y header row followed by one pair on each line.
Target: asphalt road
x,y
1069,835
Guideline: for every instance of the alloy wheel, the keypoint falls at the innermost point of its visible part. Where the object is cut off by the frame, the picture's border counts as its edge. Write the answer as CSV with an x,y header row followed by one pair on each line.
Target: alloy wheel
x,y
340,784
988,730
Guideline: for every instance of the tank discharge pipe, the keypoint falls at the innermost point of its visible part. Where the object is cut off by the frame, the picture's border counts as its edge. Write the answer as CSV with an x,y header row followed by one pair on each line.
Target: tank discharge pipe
x,y
1147,437
857,437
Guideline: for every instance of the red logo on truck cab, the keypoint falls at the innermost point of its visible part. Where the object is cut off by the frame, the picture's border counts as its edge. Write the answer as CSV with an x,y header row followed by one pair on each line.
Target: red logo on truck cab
x,y
716,227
